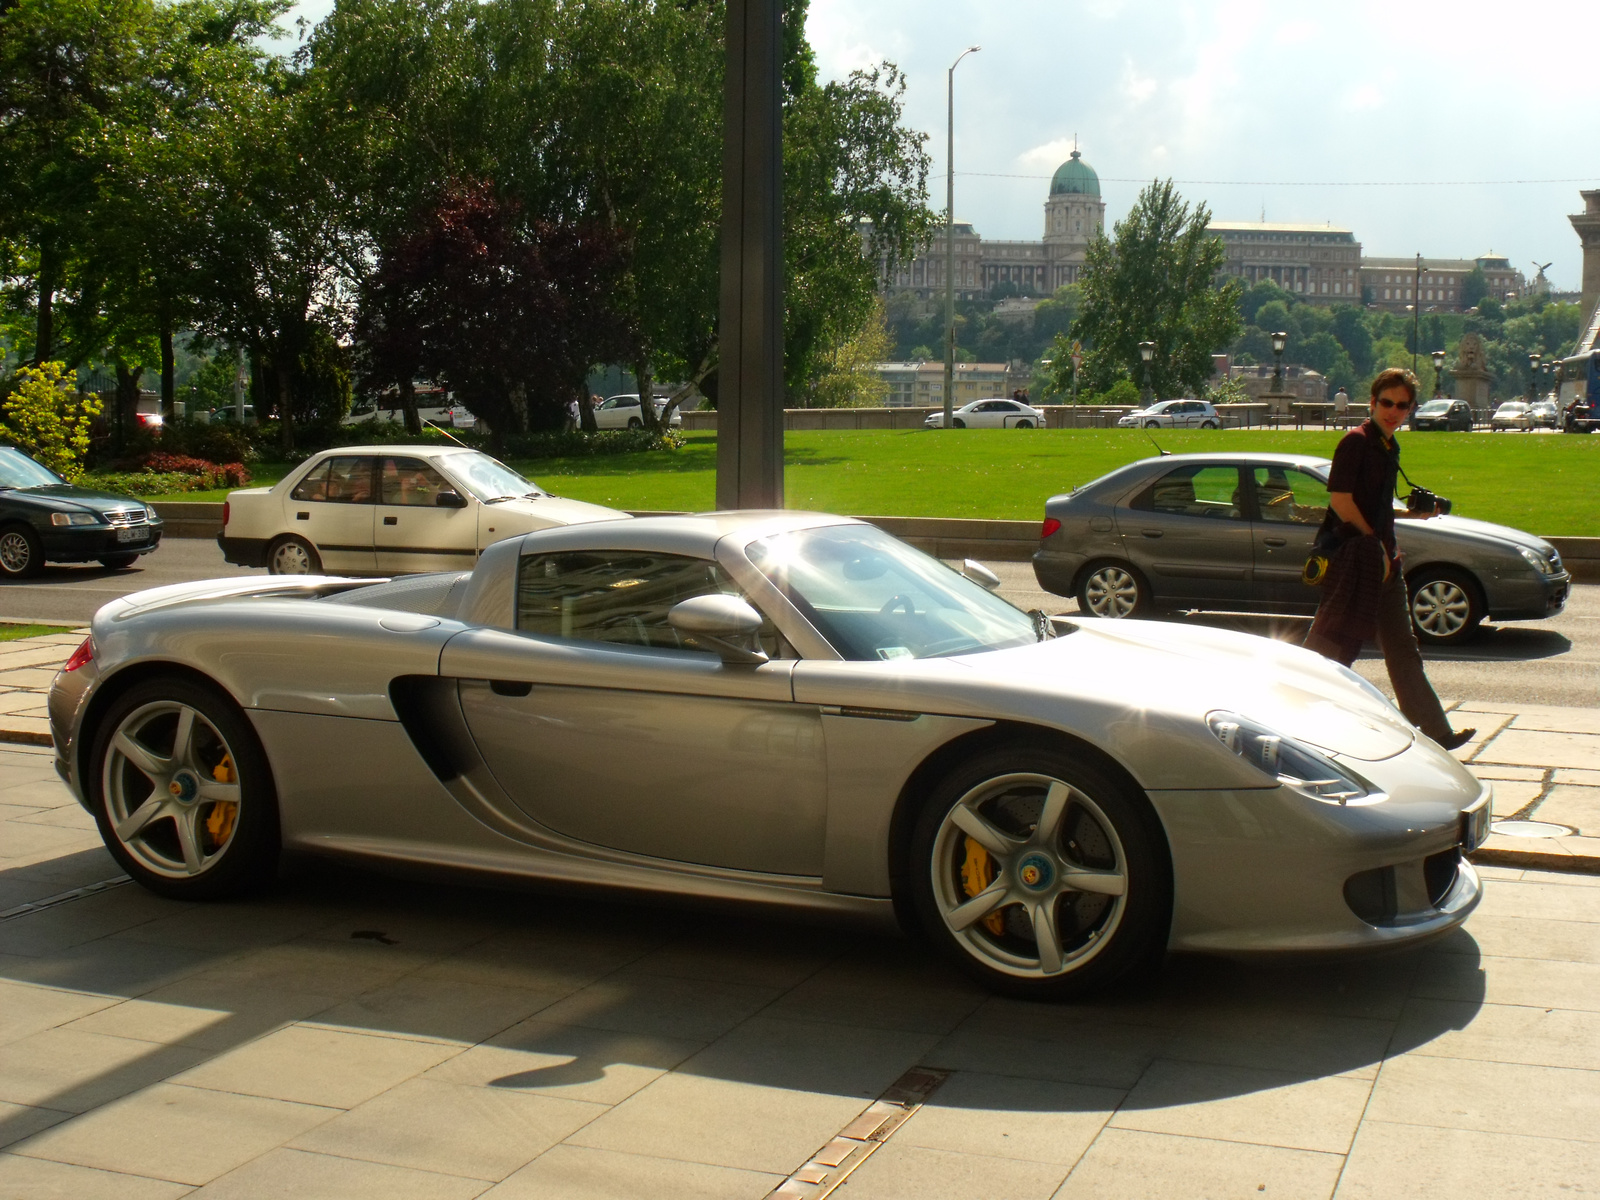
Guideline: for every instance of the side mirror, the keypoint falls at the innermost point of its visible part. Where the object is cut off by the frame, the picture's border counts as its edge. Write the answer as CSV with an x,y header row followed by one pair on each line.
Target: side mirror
x,y
449,499
980,574
713,621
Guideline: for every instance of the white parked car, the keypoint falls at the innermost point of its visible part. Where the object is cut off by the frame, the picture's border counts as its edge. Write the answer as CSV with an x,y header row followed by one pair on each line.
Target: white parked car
x,y
622,412
1513,414
990,414
389,510
450,417
1174,414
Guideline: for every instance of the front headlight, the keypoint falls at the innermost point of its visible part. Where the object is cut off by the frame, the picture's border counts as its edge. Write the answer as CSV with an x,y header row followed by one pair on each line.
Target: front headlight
x,y
1537,561
76,518
1291,763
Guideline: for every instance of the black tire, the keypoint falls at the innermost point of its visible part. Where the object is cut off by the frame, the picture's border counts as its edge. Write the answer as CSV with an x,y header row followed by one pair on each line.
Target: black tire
x,y
1446,606
635,423
1110,929
225,854
118,562
291,555
21,552
1152,424
1209,425
957,423
1113,590
1024,424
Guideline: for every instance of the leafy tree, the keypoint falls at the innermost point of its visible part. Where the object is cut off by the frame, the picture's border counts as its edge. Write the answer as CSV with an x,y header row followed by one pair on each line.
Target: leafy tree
x,y
1474,288
848,379
1354,336
46,418
1156,281
1261,292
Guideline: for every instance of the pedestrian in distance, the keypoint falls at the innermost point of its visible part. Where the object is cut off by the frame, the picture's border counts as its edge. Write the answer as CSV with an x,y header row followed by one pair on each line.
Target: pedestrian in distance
x,y
1365,592
1341,405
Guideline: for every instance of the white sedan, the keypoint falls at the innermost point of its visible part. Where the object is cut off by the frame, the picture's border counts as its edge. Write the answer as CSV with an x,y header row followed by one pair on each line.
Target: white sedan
x,y
622,412
389,510
1513,414
1173,414
990,414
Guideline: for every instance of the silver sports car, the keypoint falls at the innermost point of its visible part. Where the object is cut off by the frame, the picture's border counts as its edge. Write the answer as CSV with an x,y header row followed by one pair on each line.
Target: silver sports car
x,y
784,709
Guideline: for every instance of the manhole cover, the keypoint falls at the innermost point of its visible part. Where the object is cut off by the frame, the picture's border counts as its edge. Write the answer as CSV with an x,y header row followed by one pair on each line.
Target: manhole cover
x,y
1532,829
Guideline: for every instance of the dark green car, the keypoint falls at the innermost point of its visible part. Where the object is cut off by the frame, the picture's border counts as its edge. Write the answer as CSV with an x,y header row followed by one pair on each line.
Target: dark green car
x,y
45,519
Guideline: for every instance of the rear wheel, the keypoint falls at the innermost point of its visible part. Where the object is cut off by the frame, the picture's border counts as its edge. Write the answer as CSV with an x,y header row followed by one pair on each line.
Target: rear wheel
x,y
21,553
1113,590
1040,875
1210,424
1024,424
182,793
1445,606
290,555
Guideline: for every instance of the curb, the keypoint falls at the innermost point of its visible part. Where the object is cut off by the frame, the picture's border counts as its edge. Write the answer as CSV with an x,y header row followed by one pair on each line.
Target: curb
x,y
1538,860
26,737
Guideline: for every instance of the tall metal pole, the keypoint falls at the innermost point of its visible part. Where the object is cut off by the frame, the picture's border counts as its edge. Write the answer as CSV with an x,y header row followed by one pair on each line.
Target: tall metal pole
x,y
1416,313
950,234
750,317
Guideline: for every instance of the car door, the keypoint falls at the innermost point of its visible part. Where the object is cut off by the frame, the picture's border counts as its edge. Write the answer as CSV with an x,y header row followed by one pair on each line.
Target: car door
x,y
1189,535
1290,507
424,522
332,509
603,725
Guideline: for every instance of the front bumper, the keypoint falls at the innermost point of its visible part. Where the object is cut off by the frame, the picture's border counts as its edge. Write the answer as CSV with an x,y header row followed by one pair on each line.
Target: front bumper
x,y
1525,596
85,543
1269,870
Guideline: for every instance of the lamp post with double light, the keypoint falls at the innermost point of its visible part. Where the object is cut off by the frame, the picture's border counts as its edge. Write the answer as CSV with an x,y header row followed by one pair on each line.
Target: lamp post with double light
x,y
1533,376
950,236
1147,351
1438,373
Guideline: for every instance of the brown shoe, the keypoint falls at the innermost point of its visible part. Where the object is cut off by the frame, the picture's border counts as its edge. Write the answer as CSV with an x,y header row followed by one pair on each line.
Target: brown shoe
x,y
1459,738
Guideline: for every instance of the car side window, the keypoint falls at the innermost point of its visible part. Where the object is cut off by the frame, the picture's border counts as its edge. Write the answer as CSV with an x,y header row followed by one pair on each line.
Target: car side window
x,y
345,480
621,596
1194,491
411,481
1290,497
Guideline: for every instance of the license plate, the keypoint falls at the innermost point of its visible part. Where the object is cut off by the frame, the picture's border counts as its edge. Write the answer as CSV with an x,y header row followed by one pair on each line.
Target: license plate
x,y
132,535
1475,827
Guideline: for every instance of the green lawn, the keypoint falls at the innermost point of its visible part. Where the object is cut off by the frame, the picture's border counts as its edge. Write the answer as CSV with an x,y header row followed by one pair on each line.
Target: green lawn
x,y
10,631
1547,484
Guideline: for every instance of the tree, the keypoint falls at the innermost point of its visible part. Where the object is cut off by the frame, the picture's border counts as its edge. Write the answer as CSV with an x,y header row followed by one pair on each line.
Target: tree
x,y
848,378
1157,281
47,419
1474,287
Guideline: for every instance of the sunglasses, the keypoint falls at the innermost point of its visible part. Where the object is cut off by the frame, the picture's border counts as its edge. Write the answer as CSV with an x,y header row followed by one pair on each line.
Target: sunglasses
x,y
1402,405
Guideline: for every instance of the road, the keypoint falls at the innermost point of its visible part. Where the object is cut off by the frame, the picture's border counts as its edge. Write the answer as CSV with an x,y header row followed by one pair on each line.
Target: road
x,y
1528,662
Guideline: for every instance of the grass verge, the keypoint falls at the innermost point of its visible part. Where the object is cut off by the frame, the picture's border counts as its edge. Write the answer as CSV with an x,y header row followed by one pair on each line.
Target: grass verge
x,y
12,632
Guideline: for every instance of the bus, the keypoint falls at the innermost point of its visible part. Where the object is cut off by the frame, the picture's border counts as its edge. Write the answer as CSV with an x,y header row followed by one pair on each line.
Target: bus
x,y
1578,392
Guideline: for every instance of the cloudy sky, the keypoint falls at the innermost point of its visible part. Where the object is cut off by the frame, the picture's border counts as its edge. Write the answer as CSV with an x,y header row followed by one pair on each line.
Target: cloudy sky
x,y
1290,107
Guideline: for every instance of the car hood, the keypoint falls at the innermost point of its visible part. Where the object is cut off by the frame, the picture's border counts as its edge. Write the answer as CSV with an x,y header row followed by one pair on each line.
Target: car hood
x,y
1467,529
68,496
547,511
1190,670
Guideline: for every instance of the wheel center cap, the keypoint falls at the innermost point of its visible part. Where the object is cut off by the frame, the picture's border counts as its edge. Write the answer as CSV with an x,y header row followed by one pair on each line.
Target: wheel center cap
x,y
184,787
1035,873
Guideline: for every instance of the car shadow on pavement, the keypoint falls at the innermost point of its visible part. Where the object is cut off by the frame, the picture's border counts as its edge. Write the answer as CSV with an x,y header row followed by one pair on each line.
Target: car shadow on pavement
x,y
594,998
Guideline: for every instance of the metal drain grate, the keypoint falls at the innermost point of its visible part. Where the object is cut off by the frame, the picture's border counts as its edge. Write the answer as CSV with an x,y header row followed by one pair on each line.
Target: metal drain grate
x,y
88,889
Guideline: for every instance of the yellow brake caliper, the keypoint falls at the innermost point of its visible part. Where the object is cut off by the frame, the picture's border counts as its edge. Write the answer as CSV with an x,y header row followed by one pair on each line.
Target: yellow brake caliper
x,y
977,873
219,824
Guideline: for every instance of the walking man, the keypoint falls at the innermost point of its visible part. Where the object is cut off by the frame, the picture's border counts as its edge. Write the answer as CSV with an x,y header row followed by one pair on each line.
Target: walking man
x,y
1361,489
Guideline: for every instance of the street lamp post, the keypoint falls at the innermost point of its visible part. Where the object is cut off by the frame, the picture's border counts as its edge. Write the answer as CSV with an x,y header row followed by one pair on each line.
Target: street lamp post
x,y
1077,365
1147,351
950,234
1533,376
1438,373
1279,341
1416,313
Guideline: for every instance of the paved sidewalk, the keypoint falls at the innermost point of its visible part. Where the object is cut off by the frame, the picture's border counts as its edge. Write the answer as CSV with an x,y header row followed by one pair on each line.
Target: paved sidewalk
x,y
27,666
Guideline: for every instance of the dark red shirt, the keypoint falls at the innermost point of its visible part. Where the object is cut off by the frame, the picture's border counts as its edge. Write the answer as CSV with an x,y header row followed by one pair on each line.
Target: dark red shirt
x,y
1366,465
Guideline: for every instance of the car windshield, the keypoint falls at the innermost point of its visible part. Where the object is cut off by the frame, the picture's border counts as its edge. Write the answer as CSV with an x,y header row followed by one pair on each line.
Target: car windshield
x,y
874,597
1514,406
17,470
1434,408
489,479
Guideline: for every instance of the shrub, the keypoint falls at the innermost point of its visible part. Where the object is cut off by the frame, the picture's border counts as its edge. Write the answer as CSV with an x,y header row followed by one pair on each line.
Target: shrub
x,y
143,483
216,442
577,444
48,419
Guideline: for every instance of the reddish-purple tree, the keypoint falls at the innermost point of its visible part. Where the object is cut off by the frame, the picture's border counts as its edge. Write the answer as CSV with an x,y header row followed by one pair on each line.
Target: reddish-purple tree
x,y
511,314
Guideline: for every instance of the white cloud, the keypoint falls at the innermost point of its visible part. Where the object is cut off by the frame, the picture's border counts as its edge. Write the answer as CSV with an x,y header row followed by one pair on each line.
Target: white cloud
x,y
1137,87
1363,98
1048,156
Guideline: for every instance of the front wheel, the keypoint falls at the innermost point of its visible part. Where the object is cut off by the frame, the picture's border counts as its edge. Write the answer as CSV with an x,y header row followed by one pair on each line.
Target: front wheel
x,y
182,792
118,562
635,423
1041,875
21,552
1445,606
958,423
293,556
1152,424
1113,590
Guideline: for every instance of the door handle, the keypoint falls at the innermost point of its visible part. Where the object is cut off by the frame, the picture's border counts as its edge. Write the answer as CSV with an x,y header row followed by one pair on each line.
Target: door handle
x,y
1152,533
510,687
1276,541
391,520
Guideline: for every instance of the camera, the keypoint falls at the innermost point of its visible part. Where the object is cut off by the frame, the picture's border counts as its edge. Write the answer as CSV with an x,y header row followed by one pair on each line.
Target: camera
x,y
1426,503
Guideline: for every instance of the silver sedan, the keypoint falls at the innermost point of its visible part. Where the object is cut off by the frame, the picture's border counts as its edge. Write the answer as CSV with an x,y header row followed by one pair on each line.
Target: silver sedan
x,y
779,709
1232,533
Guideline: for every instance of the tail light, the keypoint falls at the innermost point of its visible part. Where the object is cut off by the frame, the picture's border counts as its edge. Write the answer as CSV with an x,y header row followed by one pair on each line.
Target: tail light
x,y
82,656
1050,526
225,507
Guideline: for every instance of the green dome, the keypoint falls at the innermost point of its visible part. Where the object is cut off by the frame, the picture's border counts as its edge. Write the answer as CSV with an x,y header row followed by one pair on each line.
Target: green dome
x,y
1075,177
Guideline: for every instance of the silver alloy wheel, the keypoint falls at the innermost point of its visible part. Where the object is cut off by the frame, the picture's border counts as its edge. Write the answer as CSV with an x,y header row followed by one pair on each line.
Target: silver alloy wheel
x,y
16,554
1111,591
291,558
163,793
1059,881
1441,608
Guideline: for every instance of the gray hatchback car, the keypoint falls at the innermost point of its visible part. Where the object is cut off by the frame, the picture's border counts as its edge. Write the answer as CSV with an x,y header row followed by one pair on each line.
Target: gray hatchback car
x,y
1231,532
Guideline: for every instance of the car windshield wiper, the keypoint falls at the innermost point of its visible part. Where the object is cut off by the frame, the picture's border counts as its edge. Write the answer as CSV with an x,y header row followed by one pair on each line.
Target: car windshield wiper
x,y
1044,629
498,499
